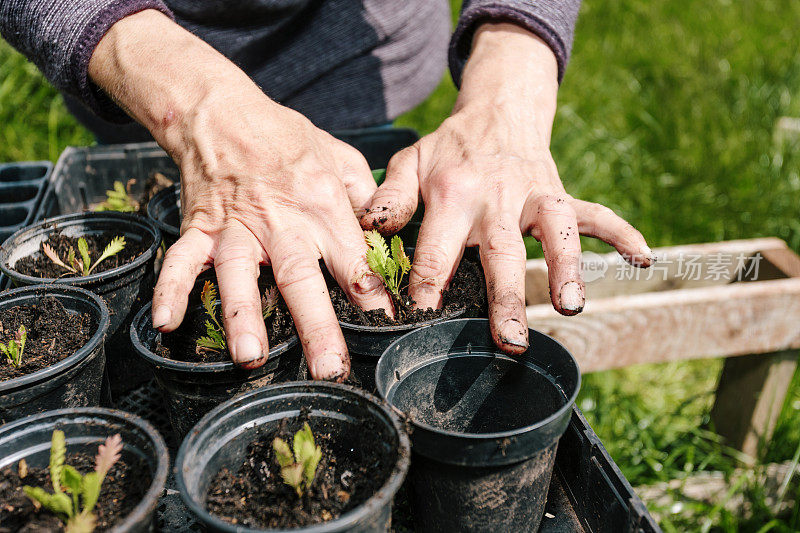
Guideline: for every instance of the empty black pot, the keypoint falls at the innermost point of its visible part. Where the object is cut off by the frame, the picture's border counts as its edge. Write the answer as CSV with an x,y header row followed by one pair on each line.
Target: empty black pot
x,y
354,418
125,289
75,381
164,210
86,428
485,425
193,389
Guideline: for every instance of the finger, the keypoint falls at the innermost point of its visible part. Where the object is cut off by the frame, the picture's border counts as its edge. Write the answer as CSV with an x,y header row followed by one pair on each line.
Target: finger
x,y
395,201
556,226
358,181
236,264
300,281
346,260
599,221
439,248
183,262
503,258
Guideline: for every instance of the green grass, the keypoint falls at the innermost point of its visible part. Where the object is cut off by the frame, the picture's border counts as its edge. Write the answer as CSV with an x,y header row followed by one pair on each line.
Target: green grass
x,y
667,115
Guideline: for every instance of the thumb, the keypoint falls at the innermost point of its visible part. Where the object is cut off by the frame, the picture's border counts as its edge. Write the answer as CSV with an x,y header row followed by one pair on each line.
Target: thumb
x,y
395,201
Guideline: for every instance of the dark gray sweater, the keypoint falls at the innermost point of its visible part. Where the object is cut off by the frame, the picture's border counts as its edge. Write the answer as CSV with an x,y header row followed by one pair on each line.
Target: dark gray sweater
x,y
342,63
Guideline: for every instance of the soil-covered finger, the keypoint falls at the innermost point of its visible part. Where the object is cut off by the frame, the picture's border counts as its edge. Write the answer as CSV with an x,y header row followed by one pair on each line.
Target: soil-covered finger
x,y
596,220
395,201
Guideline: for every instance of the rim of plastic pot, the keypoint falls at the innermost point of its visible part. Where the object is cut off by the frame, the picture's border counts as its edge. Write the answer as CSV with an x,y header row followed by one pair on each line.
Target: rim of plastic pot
x,y
130,222
481,445
20,295
172,364
149,501
161,200
208,425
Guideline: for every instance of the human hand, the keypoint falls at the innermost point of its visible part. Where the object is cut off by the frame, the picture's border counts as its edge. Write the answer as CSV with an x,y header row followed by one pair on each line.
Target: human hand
x,y
259,185
486,177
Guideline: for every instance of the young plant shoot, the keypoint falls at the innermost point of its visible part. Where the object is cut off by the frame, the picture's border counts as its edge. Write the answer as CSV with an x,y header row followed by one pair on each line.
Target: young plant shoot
x,y
298,464
118,199
391,265
83,266
13,350
215,339
75,495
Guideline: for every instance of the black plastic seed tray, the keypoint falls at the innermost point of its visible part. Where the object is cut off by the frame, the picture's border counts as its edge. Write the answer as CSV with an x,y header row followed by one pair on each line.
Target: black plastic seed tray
x,y
22,186
588,493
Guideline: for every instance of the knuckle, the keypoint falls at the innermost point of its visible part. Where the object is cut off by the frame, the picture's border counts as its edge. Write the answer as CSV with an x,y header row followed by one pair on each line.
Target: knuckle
x,y
505,245
240,307
555,204
431,264
294,269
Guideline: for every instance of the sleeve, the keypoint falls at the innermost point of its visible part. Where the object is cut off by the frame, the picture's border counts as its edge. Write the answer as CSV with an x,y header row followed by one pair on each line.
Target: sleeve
x,y
59,36
552,20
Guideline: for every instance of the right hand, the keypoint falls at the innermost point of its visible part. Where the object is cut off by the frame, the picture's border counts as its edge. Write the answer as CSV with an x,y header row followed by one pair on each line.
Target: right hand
x,y
260,184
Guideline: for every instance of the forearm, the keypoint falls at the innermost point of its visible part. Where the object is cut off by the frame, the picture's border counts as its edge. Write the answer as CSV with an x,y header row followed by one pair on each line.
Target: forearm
x,y
161,74
513,72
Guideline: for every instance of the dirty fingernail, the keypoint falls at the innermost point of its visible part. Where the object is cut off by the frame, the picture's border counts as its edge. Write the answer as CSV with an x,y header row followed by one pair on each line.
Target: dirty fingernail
x,y
246,349
571,297
514,333
161,316
328,366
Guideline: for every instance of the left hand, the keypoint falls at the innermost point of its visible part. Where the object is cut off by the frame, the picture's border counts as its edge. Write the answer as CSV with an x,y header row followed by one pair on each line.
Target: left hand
x,y
486,177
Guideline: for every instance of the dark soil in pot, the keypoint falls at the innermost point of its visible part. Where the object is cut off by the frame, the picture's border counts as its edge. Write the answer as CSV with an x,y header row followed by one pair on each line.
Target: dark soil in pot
x,y
343,482
369,333
38,265
228,456
195,380
123,488
130,492
52,334
125,281
63,359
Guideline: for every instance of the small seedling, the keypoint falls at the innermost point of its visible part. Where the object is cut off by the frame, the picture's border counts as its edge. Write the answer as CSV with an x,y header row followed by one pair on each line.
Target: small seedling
x,y
299,468
13,350
215,339
75,495
84,265
119,199
391,265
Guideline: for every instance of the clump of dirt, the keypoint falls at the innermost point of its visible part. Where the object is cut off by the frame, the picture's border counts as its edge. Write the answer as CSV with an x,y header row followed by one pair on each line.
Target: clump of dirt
x,y
467,290
123,488
348,474
40,266
52,334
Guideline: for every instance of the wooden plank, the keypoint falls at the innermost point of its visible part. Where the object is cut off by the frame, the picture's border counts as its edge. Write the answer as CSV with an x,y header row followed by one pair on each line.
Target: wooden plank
x,y
673,271
721,321
750,396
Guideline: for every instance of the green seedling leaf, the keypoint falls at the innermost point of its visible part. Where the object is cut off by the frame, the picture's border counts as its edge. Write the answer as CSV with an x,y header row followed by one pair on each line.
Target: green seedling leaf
x,y
399,256
293,476
58,503
83,249
72,480
118,199
13,350
58,453
114,247
282,452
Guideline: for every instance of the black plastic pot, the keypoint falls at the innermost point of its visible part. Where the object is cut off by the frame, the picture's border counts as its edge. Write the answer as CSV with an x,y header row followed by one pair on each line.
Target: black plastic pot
x,y
367,343
193,389
164,211
86,428
485,426
220,440
75,381
125,289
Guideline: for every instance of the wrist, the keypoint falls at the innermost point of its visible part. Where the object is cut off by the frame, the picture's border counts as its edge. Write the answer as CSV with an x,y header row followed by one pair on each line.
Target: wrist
x,y
512,70
161,74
